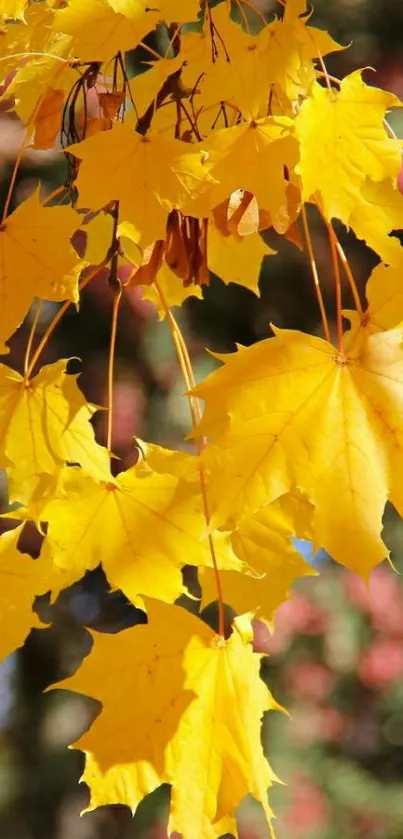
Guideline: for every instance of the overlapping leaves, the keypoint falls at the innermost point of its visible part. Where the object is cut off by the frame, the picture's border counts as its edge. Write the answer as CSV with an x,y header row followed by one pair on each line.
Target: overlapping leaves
x,y
183,169
180,676
314,418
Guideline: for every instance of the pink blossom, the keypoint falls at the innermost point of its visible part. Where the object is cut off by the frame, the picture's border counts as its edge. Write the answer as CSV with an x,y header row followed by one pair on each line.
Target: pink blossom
x,y
299,615
381,663
311,725
383,601
331,724
310,680
309,810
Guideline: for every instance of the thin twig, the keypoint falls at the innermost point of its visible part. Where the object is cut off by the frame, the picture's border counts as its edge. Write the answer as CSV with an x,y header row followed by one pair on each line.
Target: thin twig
x,y
337,283
344,262
195,413
111,363
57,318
315,276
32,331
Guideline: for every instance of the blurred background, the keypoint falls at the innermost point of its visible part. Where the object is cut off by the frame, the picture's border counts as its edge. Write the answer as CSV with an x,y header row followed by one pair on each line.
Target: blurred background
x,y
336,657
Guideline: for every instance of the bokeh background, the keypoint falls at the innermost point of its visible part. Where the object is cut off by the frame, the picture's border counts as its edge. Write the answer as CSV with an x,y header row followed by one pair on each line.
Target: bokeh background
x,y
336,657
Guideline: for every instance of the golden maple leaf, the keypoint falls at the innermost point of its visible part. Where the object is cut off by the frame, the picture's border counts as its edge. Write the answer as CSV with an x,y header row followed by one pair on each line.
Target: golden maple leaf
x,y
29,264
384,293
237,259
22,579
44,424
291,418
145,85
100,29
251,156
378,210
291,48
200,700
143,526
293,411
224,64
172,288
264,543
343,141
99,237
36,63
149,176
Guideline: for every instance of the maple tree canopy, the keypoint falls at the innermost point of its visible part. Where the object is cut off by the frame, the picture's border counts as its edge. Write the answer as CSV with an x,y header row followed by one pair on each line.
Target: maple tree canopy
x,y
232,128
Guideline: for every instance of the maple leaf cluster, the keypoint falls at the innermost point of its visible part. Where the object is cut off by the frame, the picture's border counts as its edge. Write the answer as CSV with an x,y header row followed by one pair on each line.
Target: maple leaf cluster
x,y
232,128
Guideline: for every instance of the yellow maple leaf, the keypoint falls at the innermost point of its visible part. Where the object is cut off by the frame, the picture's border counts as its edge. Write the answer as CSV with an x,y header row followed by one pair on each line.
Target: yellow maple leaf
x,y
44,424
378,211
172,288
293,411
343,141
22,579
28,264
162,460
264,543
102,28
200,700
237,259
149,176
290,48
143,527
144,86
250,156
35,62
99,236
224,64
384,293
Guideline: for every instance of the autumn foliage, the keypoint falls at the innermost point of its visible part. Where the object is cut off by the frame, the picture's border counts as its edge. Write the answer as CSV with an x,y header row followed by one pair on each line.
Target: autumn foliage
x,y
231,129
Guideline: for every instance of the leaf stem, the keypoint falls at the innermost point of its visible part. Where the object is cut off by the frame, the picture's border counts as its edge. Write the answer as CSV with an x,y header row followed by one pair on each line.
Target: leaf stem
x,y
111,362
323,66
337,283
150,50
57,318
315,275
54,194
243,16
344,261
28,348
17,163
36,54
254,9
195,413
350,278
25,143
